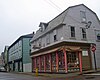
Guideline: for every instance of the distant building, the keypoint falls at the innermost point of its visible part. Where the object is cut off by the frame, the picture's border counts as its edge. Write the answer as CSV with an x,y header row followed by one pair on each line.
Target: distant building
x,y
5,58
19,51
64,43
1,61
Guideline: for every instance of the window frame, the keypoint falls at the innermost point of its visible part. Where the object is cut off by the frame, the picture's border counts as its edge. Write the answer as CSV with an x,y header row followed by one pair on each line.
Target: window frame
x,y
84,35
72,32
55,35
97,33
48,38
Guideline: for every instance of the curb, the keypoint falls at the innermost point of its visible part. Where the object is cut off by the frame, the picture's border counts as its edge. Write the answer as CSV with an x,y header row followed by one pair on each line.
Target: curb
x,y
48,75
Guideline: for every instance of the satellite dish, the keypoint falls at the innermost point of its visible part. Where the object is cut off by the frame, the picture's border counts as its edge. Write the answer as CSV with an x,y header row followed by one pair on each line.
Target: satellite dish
x,y
88,24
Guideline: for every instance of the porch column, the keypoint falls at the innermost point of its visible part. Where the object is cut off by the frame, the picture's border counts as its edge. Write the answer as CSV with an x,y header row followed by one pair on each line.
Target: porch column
x,y
80,61
65,58
56,61
39,63
44,64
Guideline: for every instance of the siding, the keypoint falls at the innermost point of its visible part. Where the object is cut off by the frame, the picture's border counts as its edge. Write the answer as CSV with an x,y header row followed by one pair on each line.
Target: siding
x,y
26,51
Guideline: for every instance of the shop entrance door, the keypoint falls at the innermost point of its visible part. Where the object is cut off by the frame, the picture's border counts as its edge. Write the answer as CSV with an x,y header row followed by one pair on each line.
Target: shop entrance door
x,y
73,61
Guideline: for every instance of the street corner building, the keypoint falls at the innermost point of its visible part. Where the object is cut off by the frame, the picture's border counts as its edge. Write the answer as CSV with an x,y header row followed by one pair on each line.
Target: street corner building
x,y
64,44
19,54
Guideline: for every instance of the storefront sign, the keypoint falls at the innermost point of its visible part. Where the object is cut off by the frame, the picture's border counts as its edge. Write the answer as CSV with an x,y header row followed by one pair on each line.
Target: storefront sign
x,y
84,53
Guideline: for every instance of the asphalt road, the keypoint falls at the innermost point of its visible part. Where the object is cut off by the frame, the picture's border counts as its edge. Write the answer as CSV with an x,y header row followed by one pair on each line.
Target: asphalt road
x,y
13,76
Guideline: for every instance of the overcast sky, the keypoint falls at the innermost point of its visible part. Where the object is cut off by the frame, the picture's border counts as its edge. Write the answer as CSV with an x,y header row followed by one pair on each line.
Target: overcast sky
x,y
20,17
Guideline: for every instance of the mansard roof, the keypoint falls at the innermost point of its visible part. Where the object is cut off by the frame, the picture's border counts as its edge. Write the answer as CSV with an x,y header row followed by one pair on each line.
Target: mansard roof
x,y
61,18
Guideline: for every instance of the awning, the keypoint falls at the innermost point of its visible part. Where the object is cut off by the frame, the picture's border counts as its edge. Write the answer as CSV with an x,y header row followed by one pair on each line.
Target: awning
x,y
46,52
73,48
68,48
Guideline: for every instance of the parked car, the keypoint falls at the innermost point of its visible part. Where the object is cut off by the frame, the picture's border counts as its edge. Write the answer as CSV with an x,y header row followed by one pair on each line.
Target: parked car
x,y
2,69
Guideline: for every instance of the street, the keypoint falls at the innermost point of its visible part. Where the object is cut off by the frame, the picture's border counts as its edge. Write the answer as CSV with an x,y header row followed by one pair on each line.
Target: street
x,y
13,76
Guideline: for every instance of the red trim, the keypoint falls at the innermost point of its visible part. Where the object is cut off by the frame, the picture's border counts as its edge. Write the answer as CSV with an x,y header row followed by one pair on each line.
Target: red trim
x,y
57,61
44,64
80,60
65,58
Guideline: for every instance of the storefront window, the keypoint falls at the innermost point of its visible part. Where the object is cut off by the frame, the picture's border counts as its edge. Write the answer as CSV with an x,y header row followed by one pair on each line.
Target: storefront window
x,y
53,58
73,61
47,62
37,62
42,62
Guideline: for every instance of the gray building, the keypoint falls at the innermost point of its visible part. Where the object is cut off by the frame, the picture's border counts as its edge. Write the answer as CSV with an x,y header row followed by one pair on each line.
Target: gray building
x,y
2,60
19,54
64,43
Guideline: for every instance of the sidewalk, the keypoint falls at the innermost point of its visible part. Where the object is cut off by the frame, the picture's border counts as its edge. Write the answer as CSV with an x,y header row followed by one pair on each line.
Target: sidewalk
x,y
92,72
53,75
50,75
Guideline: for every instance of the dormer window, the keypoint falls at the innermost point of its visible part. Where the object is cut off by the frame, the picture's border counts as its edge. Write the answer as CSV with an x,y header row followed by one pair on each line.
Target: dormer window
x,y
43,26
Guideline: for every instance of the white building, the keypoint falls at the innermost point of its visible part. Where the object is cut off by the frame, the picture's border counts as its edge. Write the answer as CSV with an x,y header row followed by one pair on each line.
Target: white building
x,y
64,43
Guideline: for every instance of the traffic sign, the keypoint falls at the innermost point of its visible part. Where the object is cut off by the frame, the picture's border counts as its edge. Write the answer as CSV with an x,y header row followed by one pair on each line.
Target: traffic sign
x,y
93,48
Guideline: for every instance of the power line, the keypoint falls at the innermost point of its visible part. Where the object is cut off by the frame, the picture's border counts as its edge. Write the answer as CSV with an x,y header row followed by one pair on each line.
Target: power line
x,y
53,5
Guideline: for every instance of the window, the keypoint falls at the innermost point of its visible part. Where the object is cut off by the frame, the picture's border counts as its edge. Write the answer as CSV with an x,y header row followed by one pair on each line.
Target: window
x,y
39,43
83,16
98,37
55,35
83,33
72,31
48,38
98,34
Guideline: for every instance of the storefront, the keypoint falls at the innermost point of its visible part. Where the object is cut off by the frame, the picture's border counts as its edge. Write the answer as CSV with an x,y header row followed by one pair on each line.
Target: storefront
x,y
63,59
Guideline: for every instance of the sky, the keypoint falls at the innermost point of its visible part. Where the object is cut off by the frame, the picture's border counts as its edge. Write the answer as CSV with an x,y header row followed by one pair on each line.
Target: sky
x,y
21,17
